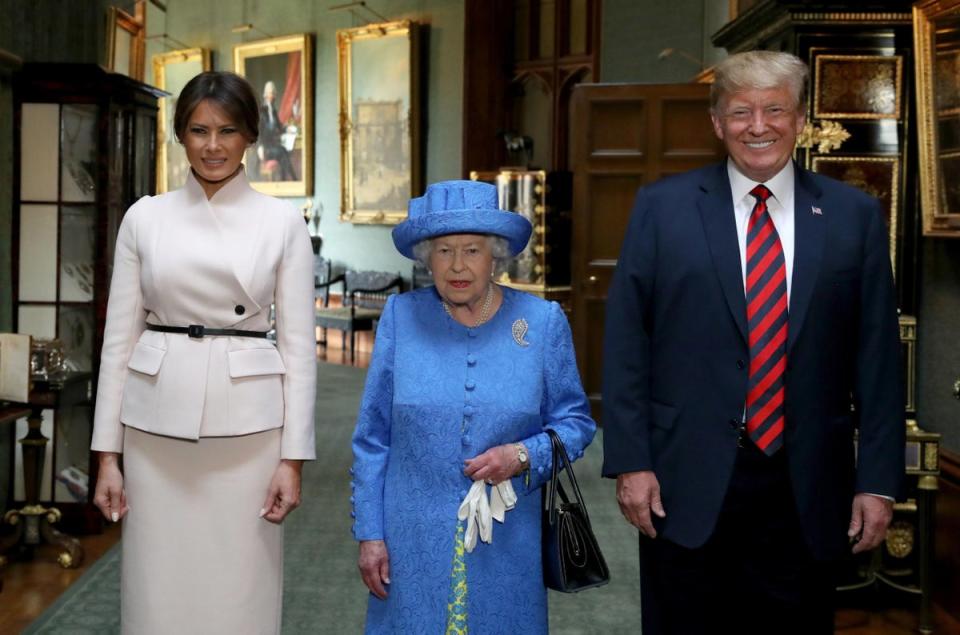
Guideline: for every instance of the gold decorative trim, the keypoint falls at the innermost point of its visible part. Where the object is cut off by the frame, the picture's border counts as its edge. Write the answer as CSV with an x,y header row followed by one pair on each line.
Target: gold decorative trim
x,y
900,539
931,457
880,100
903,18
893,211
828,136
908,338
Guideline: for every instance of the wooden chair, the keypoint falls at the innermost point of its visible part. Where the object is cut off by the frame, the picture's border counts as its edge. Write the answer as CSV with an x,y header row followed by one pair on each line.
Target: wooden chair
x,y
364,296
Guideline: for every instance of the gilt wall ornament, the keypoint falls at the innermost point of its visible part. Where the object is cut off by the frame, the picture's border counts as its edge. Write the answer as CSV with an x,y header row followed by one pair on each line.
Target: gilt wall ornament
x,y
827,136
900,539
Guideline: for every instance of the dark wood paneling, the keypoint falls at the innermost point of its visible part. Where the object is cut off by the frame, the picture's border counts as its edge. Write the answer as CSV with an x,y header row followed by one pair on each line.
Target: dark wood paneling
x,y
487,58
623,136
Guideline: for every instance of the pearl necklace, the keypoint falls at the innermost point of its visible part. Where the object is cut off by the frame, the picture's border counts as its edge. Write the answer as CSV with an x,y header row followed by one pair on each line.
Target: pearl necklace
x,y
484,310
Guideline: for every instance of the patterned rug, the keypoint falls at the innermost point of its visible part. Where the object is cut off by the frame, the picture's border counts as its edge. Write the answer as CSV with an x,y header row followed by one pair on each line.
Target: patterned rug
x,y
322,589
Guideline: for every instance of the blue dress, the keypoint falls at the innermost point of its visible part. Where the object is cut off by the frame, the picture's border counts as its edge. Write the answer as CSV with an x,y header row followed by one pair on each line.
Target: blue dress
x,y
438,393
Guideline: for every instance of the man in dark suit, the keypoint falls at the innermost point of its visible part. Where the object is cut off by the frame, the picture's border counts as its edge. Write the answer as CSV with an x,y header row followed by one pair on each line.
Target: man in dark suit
x,y
751,331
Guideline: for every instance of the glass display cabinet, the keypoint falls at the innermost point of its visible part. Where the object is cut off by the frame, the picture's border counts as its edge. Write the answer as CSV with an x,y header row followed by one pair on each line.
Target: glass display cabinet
x,y
544,198
84,148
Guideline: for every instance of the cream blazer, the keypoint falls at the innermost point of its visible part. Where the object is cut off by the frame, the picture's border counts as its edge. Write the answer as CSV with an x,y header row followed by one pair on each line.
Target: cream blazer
x,y
180,260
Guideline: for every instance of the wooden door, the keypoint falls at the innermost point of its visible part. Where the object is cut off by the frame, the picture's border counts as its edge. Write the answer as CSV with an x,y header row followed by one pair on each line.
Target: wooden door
x,y
623,136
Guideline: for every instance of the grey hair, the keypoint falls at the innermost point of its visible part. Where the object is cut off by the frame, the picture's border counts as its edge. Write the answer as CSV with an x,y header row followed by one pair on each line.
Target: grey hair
x,y
759,70
499,247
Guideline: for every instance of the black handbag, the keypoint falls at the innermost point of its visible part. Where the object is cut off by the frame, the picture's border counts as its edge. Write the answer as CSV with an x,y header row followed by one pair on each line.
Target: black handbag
x,y
571,556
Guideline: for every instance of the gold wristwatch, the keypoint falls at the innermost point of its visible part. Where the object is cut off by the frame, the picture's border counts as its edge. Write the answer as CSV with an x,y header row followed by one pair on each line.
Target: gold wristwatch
x,y
522,456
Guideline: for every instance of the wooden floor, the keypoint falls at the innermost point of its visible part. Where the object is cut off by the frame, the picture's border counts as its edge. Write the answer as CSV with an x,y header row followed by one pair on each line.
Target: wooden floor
x,y
30,587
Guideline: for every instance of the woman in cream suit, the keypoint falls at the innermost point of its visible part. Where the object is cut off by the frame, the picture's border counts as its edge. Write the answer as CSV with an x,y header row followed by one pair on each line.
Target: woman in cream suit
x,y
212,419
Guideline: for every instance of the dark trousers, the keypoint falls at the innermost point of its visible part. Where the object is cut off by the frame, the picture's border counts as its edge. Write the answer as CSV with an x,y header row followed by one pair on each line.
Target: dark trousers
x,y
754,575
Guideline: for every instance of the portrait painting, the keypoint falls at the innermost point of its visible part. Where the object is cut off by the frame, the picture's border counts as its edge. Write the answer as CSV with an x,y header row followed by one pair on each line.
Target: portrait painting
x,y
379,117
280,70
171,72
858,87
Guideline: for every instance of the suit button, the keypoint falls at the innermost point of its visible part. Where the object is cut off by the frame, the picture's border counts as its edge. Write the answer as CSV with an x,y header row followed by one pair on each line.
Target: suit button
x,y
734,424
239,309
740,364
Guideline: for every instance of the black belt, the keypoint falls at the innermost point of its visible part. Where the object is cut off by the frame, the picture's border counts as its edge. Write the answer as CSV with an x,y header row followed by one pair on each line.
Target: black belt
x,y
199,330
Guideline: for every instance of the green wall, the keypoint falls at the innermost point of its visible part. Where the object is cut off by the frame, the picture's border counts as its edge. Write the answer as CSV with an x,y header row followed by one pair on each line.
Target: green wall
x,y
348,245
635,32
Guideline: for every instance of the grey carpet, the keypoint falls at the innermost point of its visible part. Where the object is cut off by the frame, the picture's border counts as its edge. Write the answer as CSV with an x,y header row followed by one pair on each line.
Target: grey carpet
x,y
322,590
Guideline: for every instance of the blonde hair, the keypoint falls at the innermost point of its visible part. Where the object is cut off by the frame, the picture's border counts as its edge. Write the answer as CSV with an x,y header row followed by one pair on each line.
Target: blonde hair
x,y
759,70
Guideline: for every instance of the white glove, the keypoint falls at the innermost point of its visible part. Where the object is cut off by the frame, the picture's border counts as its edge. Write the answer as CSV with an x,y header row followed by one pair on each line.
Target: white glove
x,y
502,499
475,509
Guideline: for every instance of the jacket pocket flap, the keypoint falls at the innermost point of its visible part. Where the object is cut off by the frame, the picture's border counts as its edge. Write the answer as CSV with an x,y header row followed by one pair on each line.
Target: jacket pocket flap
x,y
662,415
255,361
146,359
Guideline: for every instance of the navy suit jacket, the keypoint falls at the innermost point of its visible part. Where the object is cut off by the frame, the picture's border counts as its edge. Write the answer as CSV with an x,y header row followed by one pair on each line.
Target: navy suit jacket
x,y
676,357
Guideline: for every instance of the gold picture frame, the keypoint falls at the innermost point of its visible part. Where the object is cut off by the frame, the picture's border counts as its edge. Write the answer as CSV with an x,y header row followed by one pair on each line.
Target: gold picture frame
x,y
379,85
858,87
877,176
126,41
171,72
936,31
281,71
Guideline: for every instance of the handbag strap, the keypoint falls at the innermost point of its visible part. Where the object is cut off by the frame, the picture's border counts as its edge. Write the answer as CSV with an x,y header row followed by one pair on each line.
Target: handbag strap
x,y
560,454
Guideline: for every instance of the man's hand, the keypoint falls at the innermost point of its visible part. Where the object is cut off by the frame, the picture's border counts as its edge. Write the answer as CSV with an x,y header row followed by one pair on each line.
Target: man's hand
x,y
638,493
869,521
374,565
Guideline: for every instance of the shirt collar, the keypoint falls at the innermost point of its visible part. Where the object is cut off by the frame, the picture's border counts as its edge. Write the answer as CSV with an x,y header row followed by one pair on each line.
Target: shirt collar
x,y
781,185
232,189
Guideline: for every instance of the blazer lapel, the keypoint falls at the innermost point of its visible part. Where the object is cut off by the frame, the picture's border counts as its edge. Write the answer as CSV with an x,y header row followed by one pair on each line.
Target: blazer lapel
x,y
810,227
719,225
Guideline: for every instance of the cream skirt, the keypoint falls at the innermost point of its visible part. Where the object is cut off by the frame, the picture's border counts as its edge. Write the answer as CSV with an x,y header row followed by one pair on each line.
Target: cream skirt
x,y
196,556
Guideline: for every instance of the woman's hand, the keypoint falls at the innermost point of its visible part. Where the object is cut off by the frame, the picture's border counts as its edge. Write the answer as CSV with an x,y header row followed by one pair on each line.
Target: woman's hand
x,y
284,493
495,465
109,496
374,565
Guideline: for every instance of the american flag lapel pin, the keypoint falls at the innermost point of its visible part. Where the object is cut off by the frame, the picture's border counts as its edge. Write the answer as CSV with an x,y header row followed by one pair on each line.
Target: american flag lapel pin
x,y
816,211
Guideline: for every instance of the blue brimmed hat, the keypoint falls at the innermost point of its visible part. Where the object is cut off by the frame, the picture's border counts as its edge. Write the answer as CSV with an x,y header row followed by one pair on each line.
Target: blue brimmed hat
x,y
459,207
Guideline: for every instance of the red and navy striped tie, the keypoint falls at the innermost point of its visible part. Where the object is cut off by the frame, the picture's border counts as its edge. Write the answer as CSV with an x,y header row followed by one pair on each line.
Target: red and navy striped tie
x,y
767,327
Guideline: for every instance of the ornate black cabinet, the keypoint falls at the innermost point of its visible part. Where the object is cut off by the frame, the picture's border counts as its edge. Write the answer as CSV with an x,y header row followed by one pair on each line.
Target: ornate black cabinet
x,y
84,151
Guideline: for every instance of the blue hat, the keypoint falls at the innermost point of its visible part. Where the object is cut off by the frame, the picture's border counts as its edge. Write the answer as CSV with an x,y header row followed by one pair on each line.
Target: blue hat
x,y
459,207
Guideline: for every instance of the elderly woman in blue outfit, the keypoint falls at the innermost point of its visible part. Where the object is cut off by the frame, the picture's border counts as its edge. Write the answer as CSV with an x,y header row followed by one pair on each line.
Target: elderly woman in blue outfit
x,y
466,376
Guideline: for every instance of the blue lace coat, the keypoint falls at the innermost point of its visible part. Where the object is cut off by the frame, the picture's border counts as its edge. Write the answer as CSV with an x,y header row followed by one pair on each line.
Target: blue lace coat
x,y
438,393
